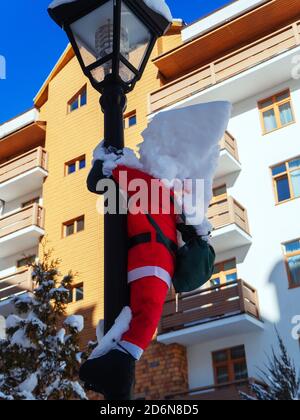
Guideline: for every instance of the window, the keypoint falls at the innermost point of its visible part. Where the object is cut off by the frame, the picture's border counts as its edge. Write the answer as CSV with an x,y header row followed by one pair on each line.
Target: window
x,y
26,261
79,100
30,202
76,293
276,112
75,165
130,119
230,365
224,272
73,226
292,260
286,178
219,193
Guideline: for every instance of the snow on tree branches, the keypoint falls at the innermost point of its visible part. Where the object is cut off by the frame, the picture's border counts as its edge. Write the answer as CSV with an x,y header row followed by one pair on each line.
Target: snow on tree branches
x,y
39,360
280,377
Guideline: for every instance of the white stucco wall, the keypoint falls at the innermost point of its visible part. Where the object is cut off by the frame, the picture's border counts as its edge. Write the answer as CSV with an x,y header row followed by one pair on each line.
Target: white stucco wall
x,y
261,264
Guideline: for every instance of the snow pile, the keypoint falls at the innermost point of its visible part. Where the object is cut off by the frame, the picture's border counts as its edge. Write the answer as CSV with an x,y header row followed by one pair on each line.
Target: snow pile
x,y
76,322
13,321
29,385
184,144
20,339
180,144
114,334
158,6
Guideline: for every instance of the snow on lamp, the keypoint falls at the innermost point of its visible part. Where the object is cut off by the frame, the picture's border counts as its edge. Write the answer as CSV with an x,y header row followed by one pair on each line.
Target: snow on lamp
x,y
112,38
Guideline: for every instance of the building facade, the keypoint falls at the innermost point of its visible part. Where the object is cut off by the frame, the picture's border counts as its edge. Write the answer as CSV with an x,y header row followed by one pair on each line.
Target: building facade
x,y
211,344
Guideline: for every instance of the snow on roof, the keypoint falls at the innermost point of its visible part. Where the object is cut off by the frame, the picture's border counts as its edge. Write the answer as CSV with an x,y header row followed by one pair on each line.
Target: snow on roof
x,y
19,122
219,17
159,6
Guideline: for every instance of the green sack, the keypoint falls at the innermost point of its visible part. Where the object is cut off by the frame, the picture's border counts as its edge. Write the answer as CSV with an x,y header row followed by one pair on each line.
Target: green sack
x,y
194,261
194,265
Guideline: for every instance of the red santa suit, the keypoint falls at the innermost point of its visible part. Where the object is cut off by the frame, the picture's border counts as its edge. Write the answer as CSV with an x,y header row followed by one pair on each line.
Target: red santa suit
x,y
151,265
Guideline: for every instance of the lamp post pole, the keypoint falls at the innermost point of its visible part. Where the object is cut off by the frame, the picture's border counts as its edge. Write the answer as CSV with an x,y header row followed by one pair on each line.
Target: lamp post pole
x,y
113,41
116,292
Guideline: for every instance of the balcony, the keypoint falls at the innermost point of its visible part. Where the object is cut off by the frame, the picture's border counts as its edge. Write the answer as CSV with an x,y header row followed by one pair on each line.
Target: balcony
x,y
228,66
23,174
201,316
230,222
21,230
229,391
14,284
229,157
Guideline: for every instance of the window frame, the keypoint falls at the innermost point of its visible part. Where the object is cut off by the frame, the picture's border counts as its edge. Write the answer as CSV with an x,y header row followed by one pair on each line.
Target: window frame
x,y
223,273
221,197
75,162
30,259
72,293
127,119
286,258
72,222
286,173
275,106
77,97
229,364
31,202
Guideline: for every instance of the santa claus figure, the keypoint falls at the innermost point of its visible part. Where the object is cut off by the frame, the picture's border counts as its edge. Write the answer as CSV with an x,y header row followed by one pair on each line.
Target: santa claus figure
x,y
181,144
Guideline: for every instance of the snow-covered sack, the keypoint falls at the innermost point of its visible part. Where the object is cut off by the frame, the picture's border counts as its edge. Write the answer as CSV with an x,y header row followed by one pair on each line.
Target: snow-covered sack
x,y
159,6
108,342
180,144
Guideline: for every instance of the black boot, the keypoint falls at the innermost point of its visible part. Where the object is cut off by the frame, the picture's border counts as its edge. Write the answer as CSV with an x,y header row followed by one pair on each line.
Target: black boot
x,y
111,375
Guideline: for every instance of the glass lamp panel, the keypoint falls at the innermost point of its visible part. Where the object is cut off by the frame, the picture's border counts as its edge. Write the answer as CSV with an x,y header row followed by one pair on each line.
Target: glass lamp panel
x,y
93,33
125,73
100,72
135,38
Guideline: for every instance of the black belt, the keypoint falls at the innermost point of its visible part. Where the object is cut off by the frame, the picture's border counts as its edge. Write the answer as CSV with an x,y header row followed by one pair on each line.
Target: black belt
x,y
145,238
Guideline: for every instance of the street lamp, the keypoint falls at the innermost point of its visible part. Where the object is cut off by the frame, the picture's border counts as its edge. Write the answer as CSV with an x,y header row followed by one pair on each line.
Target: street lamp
x,y
112,40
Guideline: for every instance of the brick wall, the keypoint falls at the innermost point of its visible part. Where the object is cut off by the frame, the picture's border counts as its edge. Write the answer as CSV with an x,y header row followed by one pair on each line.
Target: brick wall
x,y
161,371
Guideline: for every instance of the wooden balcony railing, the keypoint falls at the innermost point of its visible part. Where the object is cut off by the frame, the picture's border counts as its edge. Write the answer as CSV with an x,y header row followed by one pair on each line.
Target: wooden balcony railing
x,y
228,143
15,283
32,215
36,158
229,391
207,305
226,67
227,211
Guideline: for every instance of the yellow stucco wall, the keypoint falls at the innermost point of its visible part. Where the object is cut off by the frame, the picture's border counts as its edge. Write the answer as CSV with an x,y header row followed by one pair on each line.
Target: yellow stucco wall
x,y
70,135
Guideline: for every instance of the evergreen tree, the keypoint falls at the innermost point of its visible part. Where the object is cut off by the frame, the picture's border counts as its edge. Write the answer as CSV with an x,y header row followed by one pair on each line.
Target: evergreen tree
x,y
39,360
280,377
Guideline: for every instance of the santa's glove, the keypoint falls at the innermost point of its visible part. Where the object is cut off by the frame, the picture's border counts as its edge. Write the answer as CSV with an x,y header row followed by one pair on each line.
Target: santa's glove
x,y
109,156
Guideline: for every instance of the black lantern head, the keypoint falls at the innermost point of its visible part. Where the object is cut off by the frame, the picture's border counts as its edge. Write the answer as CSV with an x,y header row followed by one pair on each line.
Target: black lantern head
x,y
111,38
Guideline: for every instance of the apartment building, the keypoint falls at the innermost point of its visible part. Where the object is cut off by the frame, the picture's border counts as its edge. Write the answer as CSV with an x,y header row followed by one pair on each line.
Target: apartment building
x,y
247,53
210,343
23,168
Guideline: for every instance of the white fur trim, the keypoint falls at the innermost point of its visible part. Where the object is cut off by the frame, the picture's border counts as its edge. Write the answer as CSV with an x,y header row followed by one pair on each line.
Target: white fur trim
x,y
108,342
149,271
112,160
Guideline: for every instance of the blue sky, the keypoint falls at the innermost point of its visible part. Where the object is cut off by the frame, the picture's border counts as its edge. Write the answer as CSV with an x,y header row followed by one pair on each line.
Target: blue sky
x,y
31,44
